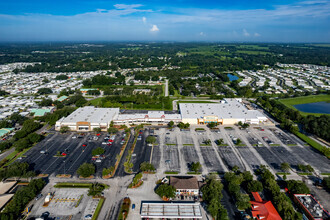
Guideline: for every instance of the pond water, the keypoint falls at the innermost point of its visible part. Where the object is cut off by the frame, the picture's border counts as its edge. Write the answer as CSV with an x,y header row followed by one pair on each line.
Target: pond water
x,y
315,107
232,77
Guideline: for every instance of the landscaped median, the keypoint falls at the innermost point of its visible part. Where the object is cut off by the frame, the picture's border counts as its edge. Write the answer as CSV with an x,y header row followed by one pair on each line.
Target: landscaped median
x,y
128,165
314,144
98,208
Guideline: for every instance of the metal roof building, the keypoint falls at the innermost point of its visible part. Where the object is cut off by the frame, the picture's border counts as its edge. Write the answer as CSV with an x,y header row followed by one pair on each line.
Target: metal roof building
x,y
171,210
88,118
229,111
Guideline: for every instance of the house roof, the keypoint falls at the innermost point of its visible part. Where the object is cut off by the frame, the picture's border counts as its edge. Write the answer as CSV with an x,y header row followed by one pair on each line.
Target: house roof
x,y
184,182
62,98
263,209
4,131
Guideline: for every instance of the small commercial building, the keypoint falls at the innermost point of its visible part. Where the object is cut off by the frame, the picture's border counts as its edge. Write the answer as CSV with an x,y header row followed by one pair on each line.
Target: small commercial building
x,y
4,131
263,210
227,112
312,209
185,185
39,112
148,117
170,210
87,118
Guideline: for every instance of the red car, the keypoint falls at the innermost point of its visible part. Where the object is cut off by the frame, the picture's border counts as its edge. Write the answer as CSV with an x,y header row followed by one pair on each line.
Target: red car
x,y
84,145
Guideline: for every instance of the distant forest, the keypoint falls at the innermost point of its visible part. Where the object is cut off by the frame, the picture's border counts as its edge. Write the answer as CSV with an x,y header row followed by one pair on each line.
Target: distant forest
x,y
192,57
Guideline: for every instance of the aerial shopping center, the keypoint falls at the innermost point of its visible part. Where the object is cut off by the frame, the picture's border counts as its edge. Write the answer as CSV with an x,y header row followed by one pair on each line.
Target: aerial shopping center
x,y
226,112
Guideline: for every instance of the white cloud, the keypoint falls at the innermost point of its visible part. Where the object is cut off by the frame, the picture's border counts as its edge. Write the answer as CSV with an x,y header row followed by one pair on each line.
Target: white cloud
x,y
154,28
144,19
256,34
124,6
202,34
245,33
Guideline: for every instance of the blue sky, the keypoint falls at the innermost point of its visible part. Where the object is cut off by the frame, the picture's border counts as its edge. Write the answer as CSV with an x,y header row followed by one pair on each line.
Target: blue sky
x,y
172,20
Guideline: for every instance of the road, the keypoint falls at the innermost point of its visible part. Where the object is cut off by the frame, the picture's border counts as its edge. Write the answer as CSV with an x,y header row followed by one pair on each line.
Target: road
x,y
6,153
166,87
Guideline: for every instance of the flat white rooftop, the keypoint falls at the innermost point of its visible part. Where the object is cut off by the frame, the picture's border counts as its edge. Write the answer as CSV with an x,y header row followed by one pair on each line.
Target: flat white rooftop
x,y
170,210
150,114
228,109
92,115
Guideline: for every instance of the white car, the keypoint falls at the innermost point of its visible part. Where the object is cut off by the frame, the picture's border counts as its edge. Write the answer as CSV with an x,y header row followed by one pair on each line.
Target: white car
x,y
104,142
98,161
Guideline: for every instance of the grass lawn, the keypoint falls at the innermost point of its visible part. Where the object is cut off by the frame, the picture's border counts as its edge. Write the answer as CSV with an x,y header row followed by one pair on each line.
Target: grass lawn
x,y
96,102
73,185
171,172
312,143
290,102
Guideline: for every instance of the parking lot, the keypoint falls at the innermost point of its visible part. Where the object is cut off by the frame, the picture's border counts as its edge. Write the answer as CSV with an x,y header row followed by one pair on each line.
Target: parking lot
x,y
77,150
67,203
142,151
176,149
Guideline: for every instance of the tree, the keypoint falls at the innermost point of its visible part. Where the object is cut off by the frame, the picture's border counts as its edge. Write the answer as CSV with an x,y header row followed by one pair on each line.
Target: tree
x,y
98,151
326,182
297,187
34,137
238,141
136,179
219,141
61,77
309,168
97,130
43,91
247,176
112,130
195,167
64,129
96,189
254,186
285,167
22,144
86,170
151,139
165,190
146,167
45,80
243,202
302,167
212,124
182,125
170,124
108,171
46,102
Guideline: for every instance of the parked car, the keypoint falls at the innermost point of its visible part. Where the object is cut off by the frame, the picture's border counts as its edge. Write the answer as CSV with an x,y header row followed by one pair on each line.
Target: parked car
x,y
38,196
133,206
42,152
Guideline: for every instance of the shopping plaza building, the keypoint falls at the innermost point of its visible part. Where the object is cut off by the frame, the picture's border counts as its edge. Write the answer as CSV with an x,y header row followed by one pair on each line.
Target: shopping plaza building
x,y
226,112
